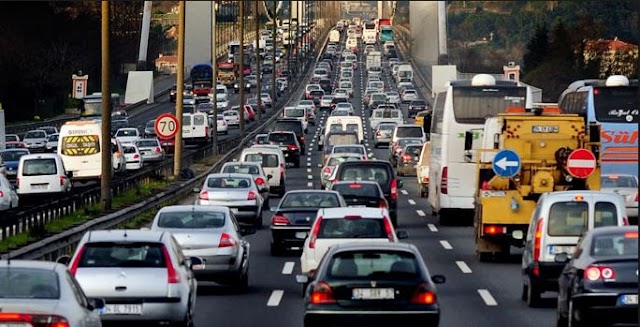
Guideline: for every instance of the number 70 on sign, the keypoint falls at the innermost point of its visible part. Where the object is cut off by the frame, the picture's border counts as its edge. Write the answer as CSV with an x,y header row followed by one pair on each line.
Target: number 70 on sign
x,y
166,126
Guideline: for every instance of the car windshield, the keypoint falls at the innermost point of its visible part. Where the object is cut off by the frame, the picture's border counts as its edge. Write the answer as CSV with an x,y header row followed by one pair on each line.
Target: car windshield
x,y
404,142
12,155
348,149
414,150
126,255
366,173
228,182
241,169
127,132
614,245
409,131
129,149
267,160
282,138
28,283
336,160
191,219
35,135
374,264
37,167
357,189
360,227
310,200
614,181
295,112
147,143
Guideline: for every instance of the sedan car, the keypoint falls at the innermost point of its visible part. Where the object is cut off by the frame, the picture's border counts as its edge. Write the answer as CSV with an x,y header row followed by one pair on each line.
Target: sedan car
x,y
396,148
52,142
8,195
255,170
599,284
128,135
149,129
11,138
294,215
627,187
141,274
232,117
408,95
408,159
11,159
150,149
383,134
361,194
381,284
239,192
212,234
416,106
36,140
33,292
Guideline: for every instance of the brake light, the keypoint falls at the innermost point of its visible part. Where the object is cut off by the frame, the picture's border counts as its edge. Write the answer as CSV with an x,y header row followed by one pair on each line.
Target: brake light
x,y
322,294
204,195
1,194
292,147
355,185
136,156
314,233
252,195
537,238
382,204
158,150
597,272
388,228
444,183
226,241
631,235
636,200
394,189
378,133
19,319
172,274
406,157
73,267
259,181
493,230
279,220
327,170
61,181
206,130
423,296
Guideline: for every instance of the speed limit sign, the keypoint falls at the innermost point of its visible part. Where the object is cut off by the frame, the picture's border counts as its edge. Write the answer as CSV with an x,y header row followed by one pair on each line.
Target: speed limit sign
x,y
166,126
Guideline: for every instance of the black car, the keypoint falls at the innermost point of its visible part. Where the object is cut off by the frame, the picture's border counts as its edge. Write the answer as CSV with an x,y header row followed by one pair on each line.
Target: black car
x,y
347,291
374,170
415,106
325,84
599,284
289,145
294,125
316,95
361,193
294,215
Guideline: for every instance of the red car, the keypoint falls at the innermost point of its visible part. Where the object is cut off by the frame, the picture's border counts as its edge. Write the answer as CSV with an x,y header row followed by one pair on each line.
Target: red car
x,y
248,110
169,146
15,145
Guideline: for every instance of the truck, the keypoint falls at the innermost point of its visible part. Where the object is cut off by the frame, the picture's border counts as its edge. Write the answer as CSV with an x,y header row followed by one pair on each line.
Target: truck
x,y
374,59
543,138
334,36
227,73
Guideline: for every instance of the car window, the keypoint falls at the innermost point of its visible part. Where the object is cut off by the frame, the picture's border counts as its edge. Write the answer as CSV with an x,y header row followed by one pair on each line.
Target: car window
x,y
310,200
241,169
613,245
605,214
28,283
352,127
365,173
129,149
568,218
267,160
198,120
294,112
147,143
228,182
414,150
186,120
282,137
352,228
348,149
133,255
409,131
37,167
127,132
191,219
613,181
35,135
294,126
374,264
12,155
357,190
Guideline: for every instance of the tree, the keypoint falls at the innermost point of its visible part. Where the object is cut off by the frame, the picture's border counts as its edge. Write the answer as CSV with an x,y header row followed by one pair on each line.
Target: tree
x,y
537,49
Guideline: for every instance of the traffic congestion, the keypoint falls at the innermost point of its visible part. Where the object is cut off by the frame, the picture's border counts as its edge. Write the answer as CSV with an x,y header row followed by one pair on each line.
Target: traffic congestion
x,y
367,203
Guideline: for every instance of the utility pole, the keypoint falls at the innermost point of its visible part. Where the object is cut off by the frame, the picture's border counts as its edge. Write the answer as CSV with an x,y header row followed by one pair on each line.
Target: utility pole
x,y
144,36
177,156
214,77
258,71
241,82
290,46
107,167
273,57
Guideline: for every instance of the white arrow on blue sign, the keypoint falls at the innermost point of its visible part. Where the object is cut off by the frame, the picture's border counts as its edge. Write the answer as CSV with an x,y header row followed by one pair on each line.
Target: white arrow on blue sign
x,y
506,163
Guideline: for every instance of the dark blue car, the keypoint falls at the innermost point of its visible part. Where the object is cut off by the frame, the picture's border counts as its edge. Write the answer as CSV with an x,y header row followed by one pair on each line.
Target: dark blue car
x,y
11,158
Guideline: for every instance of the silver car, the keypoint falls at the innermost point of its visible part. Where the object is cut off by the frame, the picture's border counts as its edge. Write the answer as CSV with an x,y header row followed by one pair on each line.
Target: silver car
x,y
141,274
239,192
333,160
52,142
150,149
627,187
36,140
254,169
212,234
34,292
383,134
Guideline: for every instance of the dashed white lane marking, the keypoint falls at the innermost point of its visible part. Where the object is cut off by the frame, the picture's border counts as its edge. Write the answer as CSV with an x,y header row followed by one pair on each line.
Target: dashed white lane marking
x,y
308,164
411,202
404,192
446,245
463,266
309,177
310,184
274,299
308,170
487,298
420,213
432,228
288,267
308,159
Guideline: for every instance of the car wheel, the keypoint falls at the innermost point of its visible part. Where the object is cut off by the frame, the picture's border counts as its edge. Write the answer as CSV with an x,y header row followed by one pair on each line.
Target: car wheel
x,y
188,319
533,295
304,289
243,282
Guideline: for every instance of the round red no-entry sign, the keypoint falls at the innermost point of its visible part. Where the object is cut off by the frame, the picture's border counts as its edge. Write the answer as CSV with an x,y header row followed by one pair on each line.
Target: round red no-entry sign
x,y
581,163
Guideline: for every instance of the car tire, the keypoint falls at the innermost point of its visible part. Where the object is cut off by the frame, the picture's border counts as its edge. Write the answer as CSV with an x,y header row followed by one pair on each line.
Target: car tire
x,y
304,289
533,295
187,321
242,284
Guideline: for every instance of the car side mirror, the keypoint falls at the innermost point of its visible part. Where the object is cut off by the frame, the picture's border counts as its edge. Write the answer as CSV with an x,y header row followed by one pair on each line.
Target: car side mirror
x,y
438,279
302,279
468,140
64,259
399,184
69,174
402,234
196,190
95,303
269,176
561,258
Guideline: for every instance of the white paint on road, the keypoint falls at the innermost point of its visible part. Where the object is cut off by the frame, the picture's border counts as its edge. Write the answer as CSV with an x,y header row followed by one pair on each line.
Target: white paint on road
x,y
487,298
432,228
310,184
308,164
308,170
404,192
463,266
420,213
309,177
411,202
288,267
274,299
446,245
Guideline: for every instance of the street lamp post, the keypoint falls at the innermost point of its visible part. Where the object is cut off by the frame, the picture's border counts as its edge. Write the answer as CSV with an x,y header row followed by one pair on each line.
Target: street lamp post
x,y
273,57
241,82
214,74
105,178
258,72
177,156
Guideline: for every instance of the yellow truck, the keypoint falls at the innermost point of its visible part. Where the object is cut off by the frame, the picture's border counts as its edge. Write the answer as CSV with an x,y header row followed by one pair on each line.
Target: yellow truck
x,y
507,188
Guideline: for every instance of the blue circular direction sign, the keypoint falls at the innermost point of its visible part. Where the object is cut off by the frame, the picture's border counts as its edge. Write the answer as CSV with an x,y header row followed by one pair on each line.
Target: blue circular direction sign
x,y
506,163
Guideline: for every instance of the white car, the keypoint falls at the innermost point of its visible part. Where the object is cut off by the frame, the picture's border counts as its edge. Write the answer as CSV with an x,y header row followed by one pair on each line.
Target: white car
x,y
345,106
223,127
343,225
8,195
36,140
127,135
393,97
133,157
408,95
231,117
625,186
222,101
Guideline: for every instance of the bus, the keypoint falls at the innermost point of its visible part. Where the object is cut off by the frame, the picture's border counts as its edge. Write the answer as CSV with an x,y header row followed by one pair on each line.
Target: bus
x,y
612,103
369,33
383,22
386,34
464,106
92,104
201,78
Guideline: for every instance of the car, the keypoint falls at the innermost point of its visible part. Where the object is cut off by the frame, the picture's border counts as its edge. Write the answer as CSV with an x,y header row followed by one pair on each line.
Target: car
x,y
404,86
292,218
333,160
36,140
239,192
169,145
289,145
326,85
252,168
358,149
341,93
52,142
213,234
316,95
42,174
408,159
361,194
247,87
10,159
627,187
133,157
422,119
15,145
294,125
261,139
344,106
149,129
377,99
128,135
416,106
8,196
338,99
266,99
372,284
206,107
393,97
273,163
150,149
383,134
46,292
153,267
232,117
221,124
409,95
11,138
397,147
598,285
333,226
118,124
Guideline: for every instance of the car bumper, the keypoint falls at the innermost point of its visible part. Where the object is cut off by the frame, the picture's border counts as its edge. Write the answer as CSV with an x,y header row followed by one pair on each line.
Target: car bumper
x,y
242,210
153,157
153,309
289,236
218,268
606,307
133,165
328,317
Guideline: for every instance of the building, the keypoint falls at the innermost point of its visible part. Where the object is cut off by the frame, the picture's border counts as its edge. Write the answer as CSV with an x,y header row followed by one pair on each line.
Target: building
x,y
167,64
616,57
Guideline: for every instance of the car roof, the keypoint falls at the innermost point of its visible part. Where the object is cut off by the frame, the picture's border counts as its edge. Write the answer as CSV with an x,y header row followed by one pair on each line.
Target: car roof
x,y
612,230
396,246
232,175
39,156
592,194
340,213
194,208
35,264
312,191
124,235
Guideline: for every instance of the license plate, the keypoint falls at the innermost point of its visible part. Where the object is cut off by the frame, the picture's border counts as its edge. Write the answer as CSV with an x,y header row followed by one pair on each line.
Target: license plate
x,y
122,309
358,206
301,235
38,186
373,294
556,249
629,299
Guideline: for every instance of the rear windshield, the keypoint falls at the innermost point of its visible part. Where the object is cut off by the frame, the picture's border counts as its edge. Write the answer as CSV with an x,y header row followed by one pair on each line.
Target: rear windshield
x,y
415,150
568,218
282,137
240,169
129,149
228,182
348,149
352,228
294,113
387,114
267,160
357,189
374,264
147,143
138,254
386,127
613,245
38,167
35,135
191,219
127,132
616,104
610,181
294,126
353,127
472,104
409,131
310,200
335,139
199,120
28,283
12,155
334,161
365,173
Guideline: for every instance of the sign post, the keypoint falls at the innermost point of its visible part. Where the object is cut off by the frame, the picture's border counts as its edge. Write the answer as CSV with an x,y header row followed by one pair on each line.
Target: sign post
x,y
581,163
506,163
166,126
79,86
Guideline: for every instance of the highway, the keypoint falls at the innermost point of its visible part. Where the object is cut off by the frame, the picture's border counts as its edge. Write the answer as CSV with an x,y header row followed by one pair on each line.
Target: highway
x,y
475,294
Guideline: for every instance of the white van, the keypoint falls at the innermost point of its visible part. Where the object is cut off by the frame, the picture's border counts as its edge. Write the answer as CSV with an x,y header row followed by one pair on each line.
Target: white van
x,y
385,115
197,128
299,113
557,223
42,173
349,123
273,163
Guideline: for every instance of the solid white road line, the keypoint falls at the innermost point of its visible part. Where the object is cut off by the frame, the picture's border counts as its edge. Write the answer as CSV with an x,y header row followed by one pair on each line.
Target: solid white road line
x,y
404,192
432,228
420,213
288,267
274,299
446,245
487,298
464,267
411,202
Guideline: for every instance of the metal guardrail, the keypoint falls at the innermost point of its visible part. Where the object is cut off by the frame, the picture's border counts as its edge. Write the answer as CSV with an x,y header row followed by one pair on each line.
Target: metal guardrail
x,y
53,246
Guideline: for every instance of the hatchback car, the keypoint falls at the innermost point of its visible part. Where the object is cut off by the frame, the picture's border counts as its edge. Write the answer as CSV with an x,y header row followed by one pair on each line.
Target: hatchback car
x,y
221,125
149,129
11,159
289,145
408,159
361,194
212,234
383,134
133,157
252,168
408,95
378,284
52,142
332,162
232,117
416,106
36,140
397,147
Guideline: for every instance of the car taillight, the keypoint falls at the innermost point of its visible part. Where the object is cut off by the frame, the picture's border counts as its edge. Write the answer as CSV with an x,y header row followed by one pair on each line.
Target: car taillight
x,y
443,184
204,195
388,228
251,195
625,221
1,194
292,147
226,241
422,295
327,170
73,267
537,239
322,294
136,156
406,157
61,181
35,320
493,230
17,182
259,181
636,200
173,277
394,189
206,130
158,149
382,204
314,233
598,272
280,220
